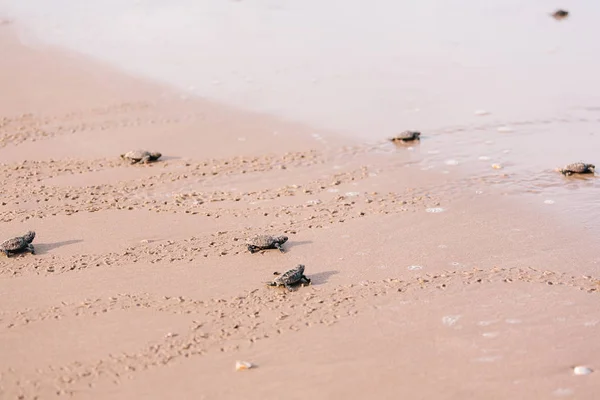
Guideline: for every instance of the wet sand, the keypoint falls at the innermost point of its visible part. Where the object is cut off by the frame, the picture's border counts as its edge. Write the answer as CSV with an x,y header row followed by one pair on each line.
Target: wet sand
x,y
142,287
429,65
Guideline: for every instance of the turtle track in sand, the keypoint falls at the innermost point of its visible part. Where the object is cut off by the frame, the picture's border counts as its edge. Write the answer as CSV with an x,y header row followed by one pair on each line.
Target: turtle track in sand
x,y
229,324
214,324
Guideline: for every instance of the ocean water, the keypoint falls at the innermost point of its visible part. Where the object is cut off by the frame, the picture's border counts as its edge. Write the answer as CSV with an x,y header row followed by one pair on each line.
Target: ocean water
x,y
369,69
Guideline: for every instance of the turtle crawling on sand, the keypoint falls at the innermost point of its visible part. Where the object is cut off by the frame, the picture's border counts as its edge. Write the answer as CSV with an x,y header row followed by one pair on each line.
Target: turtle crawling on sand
x,y
141,156
577,168
406,136
560,14
264,242
291,277
18,244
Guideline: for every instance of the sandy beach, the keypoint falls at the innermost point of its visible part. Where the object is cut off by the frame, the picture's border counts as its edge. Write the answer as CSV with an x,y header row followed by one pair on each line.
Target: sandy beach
x,y
424,285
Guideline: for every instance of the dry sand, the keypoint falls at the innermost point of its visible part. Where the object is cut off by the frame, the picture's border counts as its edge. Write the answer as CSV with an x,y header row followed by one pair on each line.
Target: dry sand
x,y
141,286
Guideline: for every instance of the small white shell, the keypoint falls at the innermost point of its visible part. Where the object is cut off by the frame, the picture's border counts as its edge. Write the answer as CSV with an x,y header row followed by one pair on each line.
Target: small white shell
x,y
450,320
582,370
242,365
505,129
490,334
482,112
434,210
496,166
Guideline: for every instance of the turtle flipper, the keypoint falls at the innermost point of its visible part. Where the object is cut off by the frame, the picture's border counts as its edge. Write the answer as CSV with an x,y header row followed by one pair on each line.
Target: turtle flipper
x,y
305,279
31,249
289,287
279,246
6,252
252,249
145,160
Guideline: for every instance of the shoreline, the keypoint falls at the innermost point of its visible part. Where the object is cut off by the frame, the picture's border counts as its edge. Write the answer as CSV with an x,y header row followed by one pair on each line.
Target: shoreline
x,y
142,283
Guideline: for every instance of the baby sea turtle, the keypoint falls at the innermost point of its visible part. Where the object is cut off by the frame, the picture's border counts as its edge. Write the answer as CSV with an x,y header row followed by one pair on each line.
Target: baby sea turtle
x,y
577,168
560,14
264,242
291,277
406,136
141,156
18,244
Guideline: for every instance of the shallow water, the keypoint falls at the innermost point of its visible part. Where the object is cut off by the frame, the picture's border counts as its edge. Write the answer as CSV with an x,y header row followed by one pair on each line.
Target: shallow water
x,y
372,70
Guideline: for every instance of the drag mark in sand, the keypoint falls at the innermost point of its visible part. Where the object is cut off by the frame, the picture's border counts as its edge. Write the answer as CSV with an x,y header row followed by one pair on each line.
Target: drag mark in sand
x,y
31,128
228,325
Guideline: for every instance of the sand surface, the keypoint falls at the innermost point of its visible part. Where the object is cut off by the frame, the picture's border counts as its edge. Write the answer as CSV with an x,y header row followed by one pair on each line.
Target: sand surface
x,y
142,287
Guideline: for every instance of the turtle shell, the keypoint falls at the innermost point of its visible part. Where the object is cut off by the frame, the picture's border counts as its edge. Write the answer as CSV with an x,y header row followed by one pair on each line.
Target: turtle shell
x,y
264,241
579,168
407,135
14,244
136,154
261,240
290,277
560,14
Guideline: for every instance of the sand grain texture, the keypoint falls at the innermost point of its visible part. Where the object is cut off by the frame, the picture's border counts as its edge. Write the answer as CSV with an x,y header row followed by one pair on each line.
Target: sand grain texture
x,y
142,286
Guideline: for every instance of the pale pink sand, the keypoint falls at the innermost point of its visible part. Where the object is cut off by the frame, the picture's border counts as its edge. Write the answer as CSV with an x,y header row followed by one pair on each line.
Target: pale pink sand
x,y
142,287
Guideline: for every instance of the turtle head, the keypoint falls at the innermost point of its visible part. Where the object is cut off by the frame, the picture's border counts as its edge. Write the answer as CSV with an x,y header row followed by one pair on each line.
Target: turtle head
x,y
155,155
301,268
29,236
281,239
592,167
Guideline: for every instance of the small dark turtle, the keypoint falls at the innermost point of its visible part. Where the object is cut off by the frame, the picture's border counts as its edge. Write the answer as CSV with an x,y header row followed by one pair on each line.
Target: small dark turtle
x,y
560,14
291,277
141,156
406,136
577,168
18,244
264,242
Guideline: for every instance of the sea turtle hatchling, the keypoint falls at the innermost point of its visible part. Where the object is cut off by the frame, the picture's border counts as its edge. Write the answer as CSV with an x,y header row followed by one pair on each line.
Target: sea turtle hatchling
x,y
577,168
264,242
141,156
406,136
18,244
560,14
291,277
